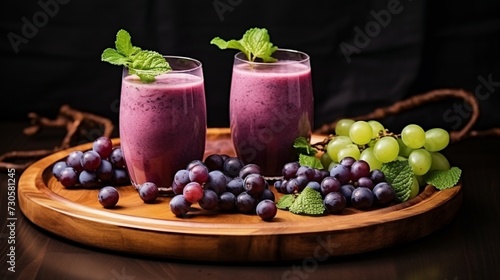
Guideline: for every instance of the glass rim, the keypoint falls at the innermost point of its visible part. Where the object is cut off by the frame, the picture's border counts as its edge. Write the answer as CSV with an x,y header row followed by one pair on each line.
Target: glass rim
x,y
306,58
196,61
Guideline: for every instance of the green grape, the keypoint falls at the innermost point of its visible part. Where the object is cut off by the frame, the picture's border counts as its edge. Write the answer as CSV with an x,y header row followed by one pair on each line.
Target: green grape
x,y
436,139
420,161
361,132
334,146
342,127
376,128
439,162
368,156
413,136
325,160
415,188
420,180
404,150
386,149
349,150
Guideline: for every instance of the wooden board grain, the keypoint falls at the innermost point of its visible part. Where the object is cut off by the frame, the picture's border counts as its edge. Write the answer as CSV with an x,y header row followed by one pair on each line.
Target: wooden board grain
x,y
152,230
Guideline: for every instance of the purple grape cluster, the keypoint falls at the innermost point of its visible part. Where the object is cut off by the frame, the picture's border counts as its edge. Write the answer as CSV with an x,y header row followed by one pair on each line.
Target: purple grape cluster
x,y
349,183
101,165
222,183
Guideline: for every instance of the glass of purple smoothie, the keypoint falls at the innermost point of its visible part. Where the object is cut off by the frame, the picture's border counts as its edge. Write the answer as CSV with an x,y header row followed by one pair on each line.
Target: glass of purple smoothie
x,y
163,124
271,104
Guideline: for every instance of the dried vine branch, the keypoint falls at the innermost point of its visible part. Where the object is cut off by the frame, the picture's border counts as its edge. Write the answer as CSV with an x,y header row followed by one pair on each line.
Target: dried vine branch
x,y
421,99
78,124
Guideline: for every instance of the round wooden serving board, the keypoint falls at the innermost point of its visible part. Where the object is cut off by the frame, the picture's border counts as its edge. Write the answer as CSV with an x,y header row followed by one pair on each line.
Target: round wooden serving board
x,y
152,230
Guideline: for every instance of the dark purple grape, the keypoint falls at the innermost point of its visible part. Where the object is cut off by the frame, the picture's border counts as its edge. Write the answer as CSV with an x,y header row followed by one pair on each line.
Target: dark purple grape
x,y
359,168
108,196
302,182
341,173
246,203
346,191
198,173
148,192
384,193
267,194
193,192
330,184
283,186
232,166
177,188
334,202
235,186
319,176
214,162
74,160
250,168
266,209
209,200
179,205
362,198
116,158
68,177
227,201
365,182
292,186
192,163
103,146
105,170
181,177
216,181
315,186
57,168
88,179
254,184
306,171
289,170
277,185
90,160
120,177
347,161
377,176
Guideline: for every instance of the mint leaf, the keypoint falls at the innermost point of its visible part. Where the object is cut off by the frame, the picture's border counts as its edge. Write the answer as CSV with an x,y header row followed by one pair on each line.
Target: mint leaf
x,y
146,64
311,161
123,43
400,175
255,43
308,202
285,201
302,145
443,179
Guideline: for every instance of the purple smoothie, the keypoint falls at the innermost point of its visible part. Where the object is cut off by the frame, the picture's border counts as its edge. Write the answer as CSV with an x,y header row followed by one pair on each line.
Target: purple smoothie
x,y
270,106
162,126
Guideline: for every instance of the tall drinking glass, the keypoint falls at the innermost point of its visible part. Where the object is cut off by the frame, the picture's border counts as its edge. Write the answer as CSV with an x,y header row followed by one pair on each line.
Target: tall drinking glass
x,y
271,104
163,124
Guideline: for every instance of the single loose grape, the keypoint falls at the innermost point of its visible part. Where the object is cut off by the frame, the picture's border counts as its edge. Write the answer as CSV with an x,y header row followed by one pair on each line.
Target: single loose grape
x,y
420,161
342,127
266,209
413,136
436,139
361,132
386,149
108,196
148,192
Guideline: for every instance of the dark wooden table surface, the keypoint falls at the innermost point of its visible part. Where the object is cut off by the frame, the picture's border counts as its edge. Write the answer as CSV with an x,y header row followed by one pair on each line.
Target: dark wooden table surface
x,y
467,248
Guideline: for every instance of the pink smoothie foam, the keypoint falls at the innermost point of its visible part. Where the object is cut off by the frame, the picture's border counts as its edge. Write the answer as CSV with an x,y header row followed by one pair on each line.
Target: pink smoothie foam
x,y
162,126
269,108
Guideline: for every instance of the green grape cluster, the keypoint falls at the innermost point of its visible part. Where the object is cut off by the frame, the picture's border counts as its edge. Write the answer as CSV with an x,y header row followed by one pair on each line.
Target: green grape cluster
x,y
372,142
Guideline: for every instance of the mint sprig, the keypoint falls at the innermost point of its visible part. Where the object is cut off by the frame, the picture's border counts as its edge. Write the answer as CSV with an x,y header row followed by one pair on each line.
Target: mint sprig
x,y
399,174
443,179
308,202
256,43
144,63
307,153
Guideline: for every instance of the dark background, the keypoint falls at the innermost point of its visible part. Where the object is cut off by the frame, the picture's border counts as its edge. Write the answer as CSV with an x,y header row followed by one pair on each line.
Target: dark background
x,y
426,45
